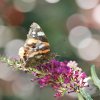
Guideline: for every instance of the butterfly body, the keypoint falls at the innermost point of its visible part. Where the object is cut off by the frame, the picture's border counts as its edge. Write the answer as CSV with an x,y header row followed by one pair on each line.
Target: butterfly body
x,y
36,49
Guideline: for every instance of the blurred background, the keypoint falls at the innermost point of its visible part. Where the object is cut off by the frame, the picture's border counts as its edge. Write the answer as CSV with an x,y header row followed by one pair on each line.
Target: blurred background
x,y
72,28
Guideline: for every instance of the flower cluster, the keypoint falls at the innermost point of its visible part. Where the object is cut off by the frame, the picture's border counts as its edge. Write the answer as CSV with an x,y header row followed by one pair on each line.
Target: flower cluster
x,y
61,76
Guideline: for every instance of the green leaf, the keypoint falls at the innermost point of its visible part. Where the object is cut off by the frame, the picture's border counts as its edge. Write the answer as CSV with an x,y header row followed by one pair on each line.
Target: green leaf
x,y
85,95
95,77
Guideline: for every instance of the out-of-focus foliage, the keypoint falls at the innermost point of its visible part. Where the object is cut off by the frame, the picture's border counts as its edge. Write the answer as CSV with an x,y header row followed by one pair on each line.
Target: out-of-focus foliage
x,y
72,28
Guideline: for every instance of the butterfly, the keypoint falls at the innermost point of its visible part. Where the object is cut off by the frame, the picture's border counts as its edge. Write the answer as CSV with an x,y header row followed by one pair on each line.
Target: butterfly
x,y
36,49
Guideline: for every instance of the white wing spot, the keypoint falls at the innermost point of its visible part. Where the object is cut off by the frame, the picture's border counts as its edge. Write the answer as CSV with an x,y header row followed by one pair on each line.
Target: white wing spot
x,y
33,32
41,46
33,35
40,33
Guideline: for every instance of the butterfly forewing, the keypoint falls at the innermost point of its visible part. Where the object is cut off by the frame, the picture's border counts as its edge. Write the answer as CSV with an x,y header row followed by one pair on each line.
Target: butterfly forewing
x,y
36,49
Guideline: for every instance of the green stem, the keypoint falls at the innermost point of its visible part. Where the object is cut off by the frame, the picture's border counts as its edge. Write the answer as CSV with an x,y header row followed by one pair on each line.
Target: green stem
x,y
80,97
85,95
95,77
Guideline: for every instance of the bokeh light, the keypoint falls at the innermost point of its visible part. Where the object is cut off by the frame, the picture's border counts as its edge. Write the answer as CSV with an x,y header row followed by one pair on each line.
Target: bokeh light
x,y
52,1
5,35
84,43
5,72
91,88
12,47
23,6
87,4
78,34
22,86
96,14
75,20
91,51
13,17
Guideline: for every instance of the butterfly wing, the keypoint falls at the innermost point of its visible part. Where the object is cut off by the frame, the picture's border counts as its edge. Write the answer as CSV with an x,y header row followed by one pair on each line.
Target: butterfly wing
x,y
36,49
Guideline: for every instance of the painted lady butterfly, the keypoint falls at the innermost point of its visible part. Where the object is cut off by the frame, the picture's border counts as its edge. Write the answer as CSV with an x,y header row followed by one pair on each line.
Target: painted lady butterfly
x,y
36,49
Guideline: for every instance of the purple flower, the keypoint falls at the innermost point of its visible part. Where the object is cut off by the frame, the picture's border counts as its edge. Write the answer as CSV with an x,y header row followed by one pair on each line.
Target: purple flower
x,y
44,81
61,76
67,80
58,94
83,75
